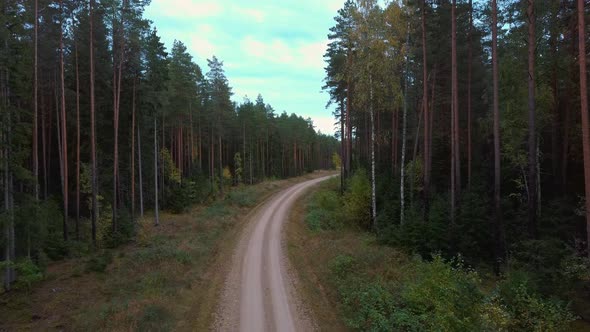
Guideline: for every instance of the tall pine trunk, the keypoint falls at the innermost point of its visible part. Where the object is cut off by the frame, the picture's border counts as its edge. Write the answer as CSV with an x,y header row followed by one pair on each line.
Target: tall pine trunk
x,y
455,174
373,184
133,153
426,112
469,74
584,112
532,137
93,131
35,125
498,227
64,140
156,207
140,171
77,145
404,132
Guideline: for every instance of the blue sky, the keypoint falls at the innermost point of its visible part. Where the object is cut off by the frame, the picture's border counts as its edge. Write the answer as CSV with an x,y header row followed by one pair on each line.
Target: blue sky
x,y
271,47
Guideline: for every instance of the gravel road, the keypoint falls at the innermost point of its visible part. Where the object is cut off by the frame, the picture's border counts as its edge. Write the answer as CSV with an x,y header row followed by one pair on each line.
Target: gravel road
x,y
259,292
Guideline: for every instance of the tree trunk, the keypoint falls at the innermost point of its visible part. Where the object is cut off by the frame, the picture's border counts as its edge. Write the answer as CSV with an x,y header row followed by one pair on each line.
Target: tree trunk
x,y
35,126
498,227
404,132
532,174
156,208
555,93
426,117
373,189
140,172
469,73
342,147
584,112
77,146
220,166
133,153
93,132
455,164
64,140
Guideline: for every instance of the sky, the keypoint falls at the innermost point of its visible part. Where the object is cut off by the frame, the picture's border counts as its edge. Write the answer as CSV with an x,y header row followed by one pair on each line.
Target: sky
x,y
271,47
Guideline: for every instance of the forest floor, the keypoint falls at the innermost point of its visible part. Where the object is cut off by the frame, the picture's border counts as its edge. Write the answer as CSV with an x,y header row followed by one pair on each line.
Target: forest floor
x,y
169,278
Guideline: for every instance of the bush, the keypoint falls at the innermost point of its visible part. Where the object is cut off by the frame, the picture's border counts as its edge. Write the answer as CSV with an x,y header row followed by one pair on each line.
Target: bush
x,y
440,296
527,310
357,200
99,262
27,273
55,247
324,211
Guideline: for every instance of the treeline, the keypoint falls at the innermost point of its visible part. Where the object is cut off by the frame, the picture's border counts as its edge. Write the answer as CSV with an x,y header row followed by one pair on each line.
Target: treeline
x,y
466,117
99,122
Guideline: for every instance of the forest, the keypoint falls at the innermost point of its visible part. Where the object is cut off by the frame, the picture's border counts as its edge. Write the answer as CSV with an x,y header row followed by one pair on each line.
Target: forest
x,y
466,136
101,123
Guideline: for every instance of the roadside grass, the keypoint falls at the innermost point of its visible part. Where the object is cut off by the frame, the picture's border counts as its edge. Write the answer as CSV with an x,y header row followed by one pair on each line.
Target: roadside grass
x,y
167,279
351,282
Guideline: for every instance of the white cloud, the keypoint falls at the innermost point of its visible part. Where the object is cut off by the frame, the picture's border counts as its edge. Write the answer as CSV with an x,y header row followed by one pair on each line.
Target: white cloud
x,y
201,46
294,55
252,14
185,8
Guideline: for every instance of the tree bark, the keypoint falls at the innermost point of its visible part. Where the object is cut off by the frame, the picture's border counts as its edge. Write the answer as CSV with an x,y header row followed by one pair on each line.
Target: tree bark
x,y
532,137
156,208
455,163
498,227
426,117
584,112
404,131
140,172
373,184
93,132
469,74
64,140
133,152
77,145
342,146
35,126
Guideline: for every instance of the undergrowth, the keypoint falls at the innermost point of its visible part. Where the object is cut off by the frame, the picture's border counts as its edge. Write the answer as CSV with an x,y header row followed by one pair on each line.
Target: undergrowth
x,y
381,288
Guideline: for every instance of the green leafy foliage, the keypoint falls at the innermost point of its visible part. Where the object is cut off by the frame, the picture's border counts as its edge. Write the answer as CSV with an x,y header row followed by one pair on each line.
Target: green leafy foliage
x,y
28,274
324,210
440,295
357,200
99,261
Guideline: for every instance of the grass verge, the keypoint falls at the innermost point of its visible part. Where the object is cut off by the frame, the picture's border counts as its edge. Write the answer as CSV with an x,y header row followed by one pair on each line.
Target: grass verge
x,y
167,279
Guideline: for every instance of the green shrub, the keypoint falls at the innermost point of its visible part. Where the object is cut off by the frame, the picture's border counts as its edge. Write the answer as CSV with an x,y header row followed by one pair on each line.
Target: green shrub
x,y
552,268
99,262
369,307
341,266
447,296
357,200
55,247
27,274
324,210
527,310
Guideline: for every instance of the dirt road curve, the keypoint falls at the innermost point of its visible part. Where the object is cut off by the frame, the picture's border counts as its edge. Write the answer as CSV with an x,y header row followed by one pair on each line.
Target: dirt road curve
x,y
259,291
